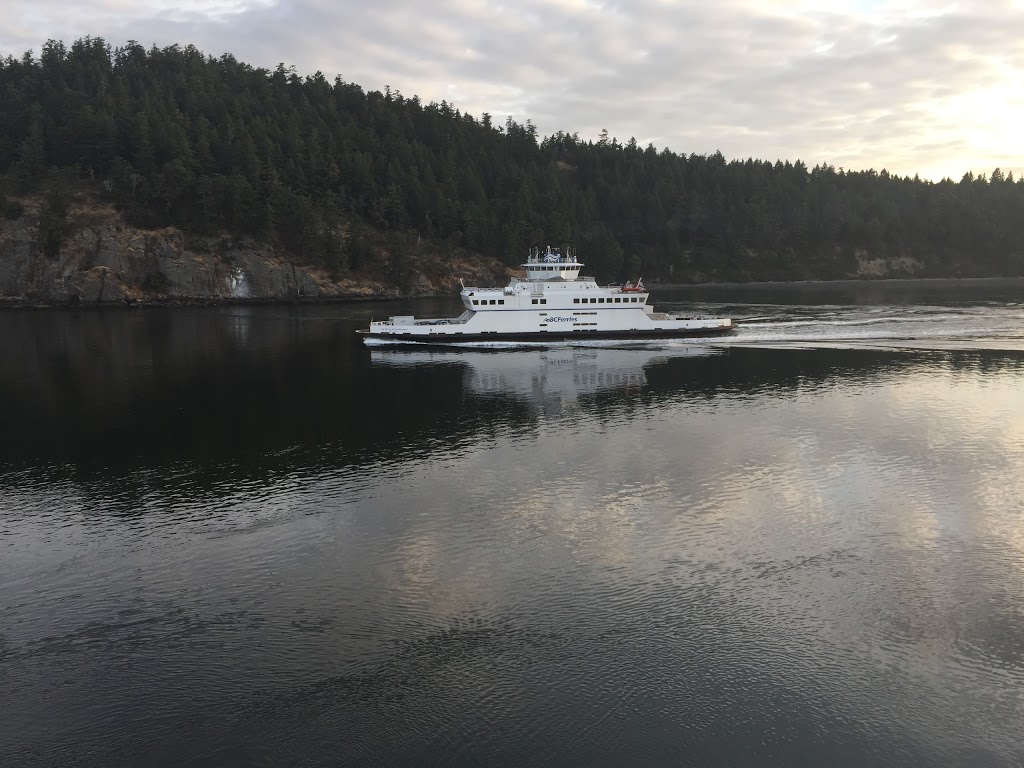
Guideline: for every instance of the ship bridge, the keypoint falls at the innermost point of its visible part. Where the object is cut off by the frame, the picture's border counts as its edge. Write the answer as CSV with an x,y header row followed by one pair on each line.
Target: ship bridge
x,y
551,264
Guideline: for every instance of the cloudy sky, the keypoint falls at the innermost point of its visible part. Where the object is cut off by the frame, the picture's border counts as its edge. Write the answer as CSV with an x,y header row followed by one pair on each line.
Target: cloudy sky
x,y
935,88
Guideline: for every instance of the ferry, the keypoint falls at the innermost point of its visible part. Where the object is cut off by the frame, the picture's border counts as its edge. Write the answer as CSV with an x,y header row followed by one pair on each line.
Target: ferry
x,y
555,304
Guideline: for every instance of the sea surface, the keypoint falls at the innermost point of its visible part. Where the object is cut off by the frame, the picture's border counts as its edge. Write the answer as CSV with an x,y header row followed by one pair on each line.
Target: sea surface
x,y
233,536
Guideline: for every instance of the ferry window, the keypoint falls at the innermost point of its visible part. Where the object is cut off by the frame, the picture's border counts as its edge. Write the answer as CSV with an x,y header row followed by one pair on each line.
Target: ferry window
x,y
501,301
493,301
543,301
575,301
618,301
593,301
475,301
600,301
533,301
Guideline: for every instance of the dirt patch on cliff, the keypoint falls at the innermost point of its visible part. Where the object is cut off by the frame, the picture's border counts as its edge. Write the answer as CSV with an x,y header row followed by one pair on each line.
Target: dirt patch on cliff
x,y
102,259
882,267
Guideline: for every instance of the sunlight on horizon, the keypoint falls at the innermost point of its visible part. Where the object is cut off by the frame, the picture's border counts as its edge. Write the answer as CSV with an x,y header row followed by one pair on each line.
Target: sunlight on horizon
x,y
946,80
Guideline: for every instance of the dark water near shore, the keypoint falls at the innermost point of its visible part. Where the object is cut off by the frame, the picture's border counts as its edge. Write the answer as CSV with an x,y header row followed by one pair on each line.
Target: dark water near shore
x,y
233,536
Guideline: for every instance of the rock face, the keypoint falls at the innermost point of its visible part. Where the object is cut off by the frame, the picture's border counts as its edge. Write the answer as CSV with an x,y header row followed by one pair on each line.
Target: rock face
x,y
878,267
103,261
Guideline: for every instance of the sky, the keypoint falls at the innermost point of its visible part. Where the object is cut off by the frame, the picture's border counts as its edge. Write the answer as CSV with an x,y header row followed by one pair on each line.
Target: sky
x,y
932,88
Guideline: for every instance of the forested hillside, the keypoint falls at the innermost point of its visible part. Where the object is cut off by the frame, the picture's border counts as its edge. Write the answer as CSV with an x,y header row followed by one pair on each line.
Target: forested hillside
x,y
324,170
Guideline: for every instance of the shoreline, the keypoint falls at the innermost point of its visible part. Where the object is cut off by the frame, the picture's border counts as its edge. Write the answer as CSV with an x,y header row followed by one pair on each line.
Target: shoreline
x,y
12,303
9,303
918,282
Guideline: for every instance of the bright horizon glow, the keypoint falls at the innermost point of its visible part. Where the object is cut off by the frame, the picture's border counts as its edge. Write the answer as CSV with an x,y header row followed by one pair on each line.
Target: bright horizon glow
x,y
858,84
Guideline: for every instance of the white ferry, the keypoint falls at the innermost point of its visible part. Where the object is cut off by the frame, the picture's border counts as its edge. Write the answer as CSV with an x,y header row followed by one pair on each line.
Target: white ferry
x,y
553,304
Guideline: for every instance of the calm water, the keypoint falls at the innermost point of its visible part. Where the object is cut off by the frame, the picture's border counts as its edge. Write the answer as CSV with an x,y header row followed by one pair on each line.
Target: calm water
x,y
233,536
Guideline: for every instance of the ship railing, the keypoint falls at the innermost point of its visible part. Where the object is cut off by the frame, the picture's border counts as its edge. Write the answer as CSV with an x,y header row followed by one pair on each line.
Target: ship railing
x,y
404,322
447,320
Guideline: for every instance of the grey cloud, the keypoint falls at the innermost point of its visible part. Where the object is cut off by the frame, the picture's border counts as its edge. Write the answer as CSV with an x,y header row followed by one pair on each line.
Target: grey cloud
x,y
736,75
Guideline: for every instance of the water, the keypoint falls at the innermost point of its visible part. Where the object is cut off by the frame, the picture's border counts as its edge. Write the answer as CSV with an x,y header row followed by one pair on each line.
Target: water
x,y
233,536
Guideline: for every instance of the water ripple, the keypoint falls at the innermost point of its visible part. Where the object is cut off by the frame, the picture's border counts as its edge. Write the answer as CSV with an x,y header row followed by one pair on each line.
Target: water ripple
x,y
584,556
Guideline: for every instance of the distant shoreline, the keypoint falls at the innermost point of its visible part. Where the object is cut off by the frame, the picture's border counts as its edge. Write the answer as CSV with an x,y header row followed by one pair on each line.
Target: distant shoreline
x,y
17,303
895,282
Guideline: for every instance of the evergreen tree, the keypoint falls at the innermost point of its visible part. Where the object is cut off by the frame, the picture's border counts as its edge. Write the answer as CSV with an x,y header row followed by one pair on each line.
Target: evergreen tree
x,y
330,172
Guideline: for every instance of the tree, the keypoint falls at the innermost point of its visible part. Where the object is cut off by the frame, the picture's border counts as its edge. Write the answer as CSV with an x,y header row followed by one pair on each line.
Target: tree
x,y
53,215
213,144
32,162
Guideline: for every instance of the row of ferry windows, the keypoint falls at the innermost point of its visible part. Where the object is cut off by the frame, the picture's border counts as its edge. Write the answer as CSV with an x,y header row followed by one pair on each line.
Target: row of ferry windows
x,y
624,300
617,300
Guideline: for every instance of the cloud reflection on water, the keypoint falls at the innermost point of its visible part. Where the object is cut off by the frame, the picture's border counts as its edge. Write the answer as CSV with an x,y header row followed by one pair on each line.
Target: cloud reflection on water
x,y
821,541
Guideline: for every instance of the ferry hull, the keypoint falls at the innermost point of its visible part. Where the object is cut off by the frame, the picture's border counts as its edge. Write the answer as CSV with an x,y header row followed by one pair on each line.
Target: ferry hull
x,y
545,337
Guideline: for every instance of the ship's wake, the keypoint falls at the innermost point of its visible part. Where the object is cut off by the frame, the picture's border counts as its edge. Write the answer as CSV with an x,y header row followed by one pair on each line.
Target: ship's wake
x,y
995,326
973,327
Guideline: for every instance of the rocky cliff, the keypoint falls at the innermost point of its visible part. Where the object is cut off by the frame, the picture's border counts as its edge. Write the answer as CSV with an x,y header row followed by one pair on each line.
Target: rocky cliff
x,y
102,260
